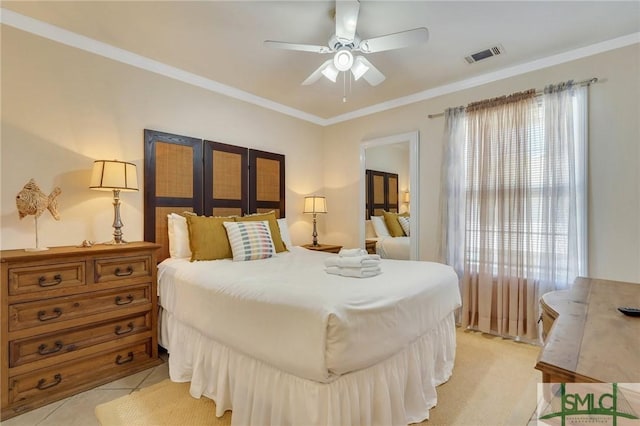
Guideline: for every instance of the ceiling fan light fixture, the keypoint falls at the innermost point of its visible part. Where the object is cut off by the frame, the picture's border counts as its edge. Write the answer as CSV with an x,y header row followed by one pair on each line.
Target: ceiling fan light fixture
x,y
343,60
330,72
358,69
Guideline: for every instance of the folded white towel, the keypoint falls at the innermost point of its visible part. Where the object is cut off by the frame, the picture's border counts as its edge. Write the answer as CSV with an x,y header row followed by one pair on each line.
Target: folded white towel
x,y
353,262
354,272
352,252
363,269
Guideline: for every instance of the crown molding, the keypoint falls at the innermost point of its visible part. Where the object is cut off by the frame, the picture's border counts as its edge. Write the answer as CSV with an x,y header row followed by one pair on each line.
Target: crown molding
x,y
502,74
60,35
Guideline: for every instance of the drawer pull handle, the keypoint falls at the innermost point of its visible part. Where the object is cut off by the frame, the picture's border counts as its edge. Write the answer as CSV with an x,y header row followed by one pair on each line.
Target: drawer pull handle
x,y
122,360
42,315
42,349
119,273
57,279
120,301
120,331
42,382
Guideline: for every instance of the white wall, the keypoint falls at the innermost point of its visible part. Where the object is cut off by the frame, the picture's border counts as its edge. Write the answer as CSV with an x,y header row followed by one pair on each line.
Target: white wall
x,y
63,108
614,192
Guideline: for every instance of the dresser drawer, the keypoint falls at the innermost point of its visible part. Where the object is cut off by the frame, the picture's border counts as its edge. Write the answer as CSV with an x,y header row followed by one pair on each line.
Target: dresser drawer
x,y
50,345
121,268
32,279
76,374
35,314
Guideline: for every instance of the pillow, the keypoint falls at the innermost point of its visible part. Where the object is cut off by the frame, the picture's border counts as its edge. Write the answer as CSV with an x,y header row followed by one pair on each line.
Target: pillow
x,y
391,220
250,240
273,227
404,223
284,233
208,238
379,226
178,236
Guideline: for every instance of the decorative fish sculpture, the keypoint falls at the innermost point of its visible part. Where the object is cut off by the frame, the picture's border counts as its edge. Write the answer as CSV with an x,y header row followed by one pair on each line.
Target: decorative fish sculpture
x,y
32,201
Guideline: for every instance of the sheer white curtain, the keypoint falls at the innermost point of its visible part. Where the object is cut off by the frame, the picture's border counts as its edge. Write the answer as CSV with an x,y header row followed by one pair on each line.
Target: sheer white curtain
x,y
514,207
452,195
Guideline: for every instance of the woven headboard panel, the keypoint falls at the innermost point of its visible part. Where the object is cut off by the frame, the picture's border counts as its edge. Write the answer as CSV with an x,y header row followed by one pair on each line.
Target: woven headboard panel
x,y
207,178
381,193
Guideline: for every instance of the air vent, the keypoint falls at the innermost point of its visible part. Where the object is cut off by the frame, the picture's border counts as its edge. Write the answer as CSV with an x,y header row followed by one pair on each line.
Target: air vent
x,y
484,54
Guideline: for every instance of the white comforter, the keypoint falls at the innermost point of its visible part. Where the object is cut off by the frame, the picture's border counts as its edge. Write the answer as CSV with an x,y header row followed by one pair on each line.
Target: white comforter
x,y
394,248
287,312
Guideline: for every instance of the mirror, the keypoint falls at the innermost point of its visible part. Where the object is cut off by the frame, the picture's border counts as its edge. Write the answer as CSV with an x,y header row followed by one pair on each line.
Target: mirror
x,y
372,152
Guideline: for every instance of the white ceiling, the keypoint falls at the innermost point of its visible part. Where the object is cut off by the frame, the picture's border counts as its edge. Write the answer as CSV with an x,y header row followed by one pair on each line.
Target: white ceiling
x,y
222,41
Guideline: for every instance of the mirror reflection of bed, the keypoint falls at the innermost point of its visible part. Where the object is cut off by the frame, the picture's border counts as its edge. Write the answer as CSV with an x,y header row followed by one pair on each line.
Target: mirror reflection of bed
x,y
387,197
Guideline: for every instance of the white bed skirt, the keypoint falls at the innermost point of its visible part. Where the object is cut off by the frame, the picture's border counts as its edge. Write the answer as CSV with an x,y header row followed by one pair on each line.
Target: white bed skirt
x,y
396,391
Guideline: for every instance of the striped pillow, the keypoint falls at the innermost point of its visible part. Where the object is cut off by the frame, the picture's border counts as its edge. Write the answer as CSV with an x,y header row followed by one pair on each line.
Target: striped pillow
x,y
404,223
250,240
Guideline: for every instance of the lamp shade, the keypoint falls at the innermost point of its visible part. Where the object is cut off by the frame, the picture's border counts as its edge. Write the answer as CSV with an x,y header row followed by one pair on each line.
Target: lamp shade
x,y
359,68
331,72
406,197
112,174
315,204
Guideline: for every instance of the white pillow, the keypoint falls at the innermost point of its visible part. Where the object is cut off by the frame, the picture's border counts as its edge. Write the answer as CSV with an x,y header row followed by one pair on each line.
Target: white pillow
x,y
284,232
379,226
178,236
404,223
250,240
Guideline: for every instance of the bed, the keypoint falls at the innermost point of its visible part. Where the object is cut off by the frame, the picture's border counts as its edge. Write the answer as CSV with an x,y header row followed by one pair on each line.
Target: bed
x,y
279,341
387,246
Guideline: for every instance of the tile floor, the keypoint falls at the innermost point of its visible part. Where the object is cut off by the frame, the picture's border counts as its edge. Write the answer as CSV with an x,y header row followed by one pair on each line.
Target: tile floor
x,y
78,410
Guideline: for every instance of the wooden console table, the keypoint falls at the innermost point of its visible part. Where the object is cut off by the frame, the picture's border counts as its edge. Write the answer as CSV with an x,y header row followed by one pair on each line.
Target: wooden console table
x,y
590,340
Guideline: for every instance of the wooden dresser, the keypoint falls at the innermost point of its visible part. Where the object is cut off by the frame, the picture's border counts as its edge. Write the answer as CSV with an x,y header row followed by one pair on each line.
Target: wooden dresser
x,y
587,338
74,318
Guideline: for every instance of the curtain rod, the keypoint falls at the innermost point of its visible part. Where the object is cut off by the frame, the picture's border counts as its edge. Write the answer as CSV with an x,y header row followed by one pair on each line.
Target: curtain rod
x,y
538,93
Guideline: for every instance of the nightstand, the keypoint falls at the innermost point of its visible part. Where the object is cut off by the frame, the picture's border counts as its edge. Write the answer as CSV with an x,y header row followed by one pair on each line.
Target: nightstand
x,y
371,246
329,248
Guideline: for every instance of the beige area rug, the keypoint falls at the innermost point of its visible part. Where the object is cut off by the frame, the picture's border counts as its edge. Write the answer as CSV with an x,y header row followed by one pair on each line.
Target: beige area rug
x,y
493,383
163,404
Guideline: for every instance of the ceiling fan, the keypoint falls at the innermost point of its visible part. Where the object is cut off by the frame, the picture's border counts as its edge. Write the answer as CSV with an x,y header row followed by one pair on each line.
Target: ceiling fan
x,y
345,41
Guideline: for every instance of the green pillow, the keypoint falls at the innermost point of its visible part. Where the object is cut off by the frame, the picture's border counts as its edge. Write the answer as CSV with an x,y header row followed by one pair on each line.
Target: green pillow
x,y
273,227
208,238
391,220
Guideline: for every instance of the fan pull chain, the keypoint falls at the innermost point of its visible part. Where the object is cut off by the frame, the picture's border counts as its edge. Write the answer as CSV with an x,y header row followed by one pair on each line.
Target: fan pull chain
x,y
344,87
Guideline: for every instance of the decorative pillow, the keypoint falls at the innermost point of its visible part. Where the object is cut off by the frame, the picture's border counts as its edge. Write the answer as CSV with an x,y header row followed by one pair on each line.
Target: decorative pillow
x,y
404,223
273,227
178,236
284,233
250,240
208,238
379,226
391,220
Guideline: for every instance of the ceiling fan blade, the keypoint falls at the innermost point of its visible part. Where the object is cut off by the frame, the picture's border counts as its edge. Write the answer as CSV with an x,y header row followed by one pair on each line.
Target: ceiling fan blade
x,y
346,20
372,75
299,47
394,41
315,76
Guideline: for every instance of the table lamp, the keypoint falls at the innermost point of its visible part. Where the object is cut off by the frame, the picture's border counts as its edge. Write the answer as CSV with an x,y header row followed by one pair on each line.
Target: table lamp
x,y
116,176
314,204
